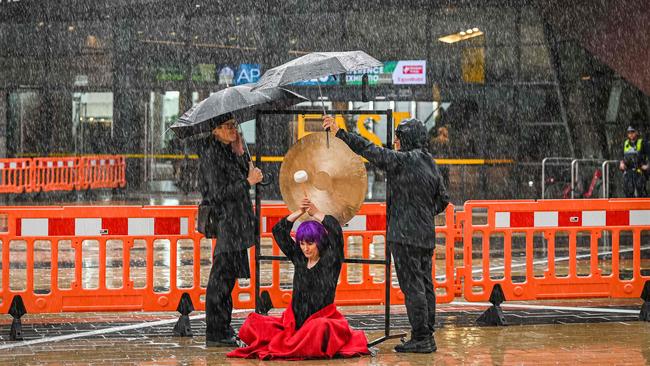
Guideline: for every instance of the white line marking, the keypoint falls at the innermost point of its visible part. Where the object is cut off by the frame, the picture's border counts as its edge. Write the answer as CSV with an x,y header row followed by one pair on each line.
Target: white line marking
x,y
561,259
569,308
103,331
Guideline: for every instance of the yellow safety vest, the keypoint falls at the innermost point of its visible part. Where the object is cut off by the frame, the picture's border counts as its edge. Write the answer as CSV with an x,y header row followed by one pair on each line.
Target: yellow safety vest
x,y
630,148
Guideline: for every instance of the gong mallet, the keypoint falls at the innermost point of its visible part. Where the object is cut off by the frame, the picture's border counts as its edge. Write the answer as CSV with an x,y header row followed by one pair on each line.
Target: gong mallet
x,y
301,177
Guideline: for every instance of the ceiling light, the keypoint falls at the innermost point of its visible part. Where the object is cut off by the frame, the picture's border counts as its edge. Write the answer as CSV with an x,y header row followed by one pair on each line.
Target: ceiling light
x,y
461,36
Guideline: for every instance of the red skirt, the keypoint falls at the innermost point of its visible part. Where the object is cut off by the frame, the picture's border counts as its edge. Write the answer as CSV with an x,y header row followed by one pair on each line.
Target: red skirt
x,y
325,334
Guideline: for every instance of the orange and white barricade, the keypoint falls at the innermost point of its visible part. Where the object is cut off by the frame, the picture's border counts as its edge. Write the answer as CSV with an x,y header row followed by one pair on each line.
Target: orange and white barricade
x,y
554,249
16,175
55,174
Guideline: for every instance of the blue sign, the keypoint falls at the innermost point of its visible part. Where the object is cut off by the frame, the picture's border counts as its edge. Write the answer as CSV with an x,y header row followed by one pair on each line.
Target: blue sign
x,y
327,80
247,73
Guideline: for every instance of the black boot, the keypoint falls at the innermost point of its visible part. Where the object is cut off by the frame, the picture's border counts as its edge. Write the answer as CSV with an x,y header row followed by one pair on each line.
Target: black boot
x,y
224,342
426,345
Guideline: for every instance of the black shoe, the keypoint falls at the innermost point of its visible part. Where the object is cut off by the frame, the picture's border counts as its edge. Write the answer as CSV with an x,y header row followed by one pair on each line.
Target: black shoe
x,y
225,342
426,345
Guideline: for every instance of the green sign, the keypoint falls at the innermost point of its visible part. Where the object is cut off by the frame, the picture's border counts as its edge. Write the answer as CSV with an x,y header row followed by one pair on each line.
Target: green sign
x,y
403,72
169,73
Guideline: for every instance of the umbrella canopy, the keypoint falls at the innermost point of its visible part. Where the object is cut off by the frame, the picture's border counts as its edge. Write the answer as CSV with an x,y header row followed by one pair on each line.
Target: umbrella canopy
x,y
316,65
238,101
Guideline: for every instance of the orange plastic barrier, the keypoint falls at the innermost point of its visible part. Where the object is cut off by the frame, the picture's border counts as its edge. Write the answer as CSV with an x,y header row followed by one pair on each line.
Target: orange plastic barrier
x,y
145,258
56,174
119,258
62,173
103,171
15,175
556,248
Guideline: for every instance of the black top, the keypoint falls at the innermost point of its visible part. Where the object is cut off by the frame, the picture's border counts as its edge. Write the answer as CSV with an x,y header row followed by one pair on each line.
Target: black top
x,y
416,192
224,187
315,288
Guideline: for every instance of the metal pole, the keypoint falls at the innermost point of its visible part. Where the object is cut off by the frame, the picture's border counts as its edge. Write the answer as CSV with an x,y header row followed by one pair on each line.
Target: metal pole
x,y
605,169
258,211
389,143
573,176
544,177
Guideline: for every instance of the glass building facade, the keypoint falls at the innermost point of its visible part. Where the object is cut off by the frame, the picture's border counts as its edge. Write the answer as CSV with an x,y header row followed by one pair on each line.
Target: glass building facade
x,y
499,84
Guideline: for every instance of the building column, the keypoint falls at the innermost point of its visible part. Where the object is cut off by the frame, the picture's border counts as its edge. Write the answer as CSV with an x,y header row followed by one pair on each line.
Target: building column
x,y
129,101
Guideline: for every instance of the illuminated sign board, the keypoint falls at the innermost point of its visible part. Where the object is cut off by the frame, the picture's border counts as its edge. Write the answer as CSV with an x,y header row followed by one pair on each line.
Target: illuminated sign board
x,y
248,73
326,80
403,72
223,74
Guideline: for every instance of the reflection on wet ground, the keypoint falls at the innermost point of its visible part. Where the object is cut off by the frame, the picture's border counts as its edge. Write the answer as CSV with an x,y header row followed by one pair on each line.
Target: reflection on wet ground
x,y
597,343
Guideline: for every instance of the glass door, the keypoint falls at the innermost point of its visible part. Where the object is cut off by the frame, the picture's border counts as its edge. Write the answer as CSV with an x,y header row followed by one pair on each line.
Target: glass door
x,y
163,110
24,115
92,122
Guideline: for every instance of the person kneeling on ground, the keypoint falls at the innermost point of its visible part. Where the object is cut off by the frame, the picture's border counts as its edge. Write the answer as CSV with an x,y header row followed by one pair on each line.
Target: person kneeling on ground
x,y
311,327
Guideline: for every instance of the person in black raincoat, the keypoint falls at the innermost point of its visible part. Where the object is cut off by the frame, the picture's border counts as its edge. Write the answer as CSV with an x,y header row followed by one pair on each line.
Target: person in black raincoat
x,y
415,194
225,213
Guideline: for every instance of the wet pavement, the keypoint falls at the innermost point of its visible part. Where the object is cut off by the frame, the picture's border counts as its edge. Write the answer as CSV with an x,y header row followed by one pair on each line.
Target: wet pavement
x,y
550,332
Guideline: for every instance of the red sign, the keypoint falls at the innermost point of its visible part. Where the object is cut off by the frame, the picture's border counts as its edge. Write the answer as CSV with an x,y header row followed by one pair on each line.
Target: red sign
x,y
412,69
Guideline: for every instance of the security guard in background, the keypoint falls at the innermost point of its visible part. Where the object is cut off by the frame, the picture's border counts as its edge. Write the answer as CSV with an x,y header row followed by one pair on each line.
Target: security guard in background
x,y
634,164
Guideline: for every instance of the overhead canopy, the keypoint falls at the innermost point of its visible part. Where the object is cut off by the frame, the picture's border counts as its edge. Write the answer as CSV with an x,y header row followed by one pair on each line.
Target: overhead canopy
x,y
616,32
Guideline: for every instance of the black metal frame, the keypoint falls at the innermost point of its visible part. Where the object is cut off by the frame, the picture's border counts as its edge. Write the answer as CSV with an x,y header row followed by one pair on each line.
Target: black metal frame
x,y
258,214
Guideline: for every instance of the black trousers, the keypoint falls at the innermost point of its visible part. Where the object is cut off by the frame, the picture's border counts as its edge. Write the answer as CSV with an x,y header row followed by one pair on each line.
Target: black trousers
x,y
414,273
226,268
633,180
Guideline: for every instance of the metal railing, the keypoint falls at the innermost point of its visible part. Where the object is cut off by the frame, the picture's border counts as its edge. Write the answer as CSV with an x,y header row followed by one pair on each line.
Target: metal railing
x,y
544,163
605,169
575,171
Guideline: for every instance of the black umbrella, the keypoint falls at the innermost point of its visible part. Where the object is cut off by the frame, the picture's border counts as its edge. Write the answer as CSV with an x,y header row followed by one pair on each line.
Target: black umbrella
x,y
316,65
238,101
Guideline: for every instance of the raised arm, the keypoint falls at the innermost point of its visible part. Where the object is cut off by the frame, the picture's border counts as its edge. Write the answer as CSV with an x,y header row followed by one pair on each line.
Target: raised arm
x,y
334,234
282,235
332,225
383,158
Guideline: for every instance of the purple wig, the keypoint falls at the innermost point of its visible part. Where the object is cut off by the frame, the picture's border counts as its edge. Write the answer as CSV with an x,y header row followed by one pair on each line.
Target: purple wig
x,y
312,232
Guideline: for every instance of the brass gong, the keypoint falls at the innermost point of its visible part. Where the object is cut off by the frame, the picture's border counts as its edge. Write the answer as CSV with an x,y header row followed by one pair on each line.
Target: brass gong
x,y
336,177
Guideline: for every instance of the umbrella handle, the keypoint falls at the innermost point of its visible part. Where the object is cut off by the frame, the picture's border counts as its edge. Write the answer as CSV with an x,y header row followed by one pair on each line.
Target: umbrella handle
x,y
321,97
265,182
327,130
